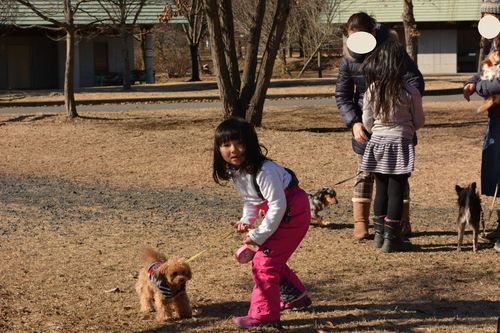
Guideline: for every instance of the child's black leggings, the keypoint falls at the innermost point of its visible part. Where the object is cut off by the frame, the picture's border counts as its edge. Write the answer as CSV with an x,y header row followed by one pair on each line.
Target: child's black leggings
x,y
389,195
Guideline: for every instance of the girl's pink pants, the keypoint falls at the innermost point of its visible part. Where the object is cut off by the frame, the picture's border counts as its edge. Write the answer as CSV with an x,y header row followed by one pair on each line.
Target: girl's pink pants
x,y
269,269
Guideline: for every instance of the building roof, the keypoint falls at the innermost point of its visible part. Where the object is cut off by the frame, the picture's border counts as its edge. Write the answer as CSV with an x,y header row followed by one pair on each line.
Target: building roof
x,y
423,10
89,12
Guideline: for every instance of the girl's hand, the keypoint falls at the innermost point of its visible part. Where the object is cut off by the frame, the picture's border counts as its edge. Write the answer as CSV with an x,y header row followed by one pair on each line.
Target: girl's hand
x,y
248,241
241,227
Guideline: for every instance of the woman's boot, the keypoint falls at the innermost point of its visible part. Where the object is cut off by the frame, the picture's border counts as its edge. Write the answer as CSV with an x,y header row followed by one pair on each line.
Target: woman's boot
x,y
378,226
495,234
392,236
405,220
361,214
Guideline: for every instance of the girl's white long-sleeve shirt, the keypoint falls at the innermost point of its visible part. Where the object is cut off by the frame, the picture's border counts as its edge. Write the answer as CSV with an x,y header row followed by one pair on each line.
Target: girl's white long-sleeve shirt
x,y
272,179
408,117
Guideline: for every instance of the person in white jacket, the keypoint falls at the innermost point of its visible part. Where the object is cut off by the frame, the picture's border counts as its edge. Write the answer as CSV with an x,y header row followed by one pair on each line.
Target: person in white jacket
x,y
267,186
392,112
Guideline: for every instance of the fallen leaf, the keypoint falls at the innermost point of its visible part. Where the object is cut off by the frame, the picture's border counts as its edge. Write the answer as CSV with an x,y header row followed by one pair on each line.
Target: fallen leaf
x,y
114,290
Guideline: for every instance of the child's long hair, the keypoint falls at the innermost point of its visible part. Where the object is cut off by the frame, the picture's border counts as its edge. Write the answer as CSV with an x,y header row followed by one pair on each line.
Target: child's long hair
x,y
238,130
384,72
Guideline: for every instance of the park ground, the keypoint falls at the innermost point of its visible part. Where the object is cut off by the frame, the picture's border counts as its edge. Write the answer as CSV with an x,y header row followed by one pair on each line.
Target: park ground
x,y
79,199
178,88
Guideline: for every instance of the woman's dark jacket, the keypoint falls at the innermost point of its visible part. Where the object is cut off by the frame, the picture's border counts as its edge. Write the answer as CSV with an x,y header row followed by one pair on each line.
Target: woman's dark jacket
x,y
351,86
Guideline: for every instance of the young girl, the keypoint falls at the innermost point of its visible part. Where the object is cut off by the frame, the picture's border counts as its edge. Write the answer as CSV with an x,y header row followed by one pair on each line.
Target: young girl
x,y
264,185
392,112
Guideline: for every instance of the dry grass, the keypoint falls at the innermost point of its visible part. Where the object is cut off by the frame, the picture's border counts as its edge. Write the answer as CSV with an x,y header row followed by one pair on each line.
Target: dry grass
x,y
80,199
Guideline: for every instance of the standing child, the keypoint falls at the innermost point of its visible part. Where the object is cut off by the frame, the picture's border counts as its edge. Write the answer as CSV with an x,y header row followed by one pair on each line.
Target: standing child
x,y
392,112
264,185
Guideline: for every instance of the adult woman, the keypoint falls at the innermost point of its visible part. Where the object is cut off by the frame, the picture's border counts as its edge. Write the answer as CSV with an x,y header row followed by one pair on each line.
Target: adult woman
x,y
490,162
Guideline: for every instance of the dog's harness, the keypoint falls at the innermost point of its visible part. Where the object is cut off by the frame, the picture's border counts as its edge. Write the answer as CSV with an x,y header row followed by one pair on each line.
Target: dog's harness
x,y
163,286
316,204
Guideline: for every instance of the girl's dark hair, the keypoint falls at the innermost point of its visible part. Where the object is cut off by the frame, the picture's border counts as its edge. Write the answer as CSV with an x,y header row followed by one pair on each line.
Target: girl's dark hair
x,y
360,22
242,131
384,71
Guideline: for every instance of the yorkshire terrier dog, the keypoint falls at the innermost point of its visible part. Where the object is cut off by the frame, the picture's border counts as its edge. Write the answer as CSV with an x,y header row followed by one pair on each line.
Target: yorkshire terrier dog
x,y
491,71
161,286
318,201
469,212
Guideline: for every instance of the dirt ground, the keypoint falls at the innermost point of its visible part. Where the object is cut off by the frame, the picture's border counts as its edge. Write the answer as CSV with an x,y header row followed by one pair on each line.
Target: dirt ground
x,y
79,199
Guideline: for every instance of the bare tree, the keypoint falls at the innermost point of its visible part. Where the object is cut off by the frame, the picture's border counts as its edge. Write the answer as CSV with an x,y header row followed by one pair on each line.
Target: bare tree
x,y
243,11
411,32
244,17
195,29
7,11
244,96
170,61
123,15
67,25
8,14
315,26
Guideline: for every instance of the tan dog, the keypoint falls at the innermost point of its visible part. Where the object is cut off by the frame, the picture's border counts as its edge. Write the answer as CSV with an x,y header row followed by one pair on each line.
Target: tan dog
x,y
491,71
161,286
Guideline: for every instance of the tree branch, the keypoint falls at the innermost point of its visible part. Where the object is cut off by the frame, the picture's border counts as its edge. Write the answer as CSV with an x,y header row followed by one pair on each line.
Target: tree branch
x,y
41,14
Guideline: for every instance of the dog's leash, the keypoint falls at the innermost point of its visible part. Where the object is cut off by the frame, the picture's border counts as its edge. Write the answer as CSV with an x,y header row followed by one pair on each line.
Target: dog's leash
x,y
193,257
345,180
493,203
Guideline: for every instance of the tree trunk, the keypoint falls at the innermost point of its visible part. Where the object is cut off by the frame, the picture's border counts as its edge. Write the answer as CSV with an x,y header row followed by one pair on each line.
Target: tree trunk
x,y
243,97
227,29
284,66
69,93
247,88
320,72
289,48
143,47
195,66
482,46
254,113
126,58
228,94
411,32
301,49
